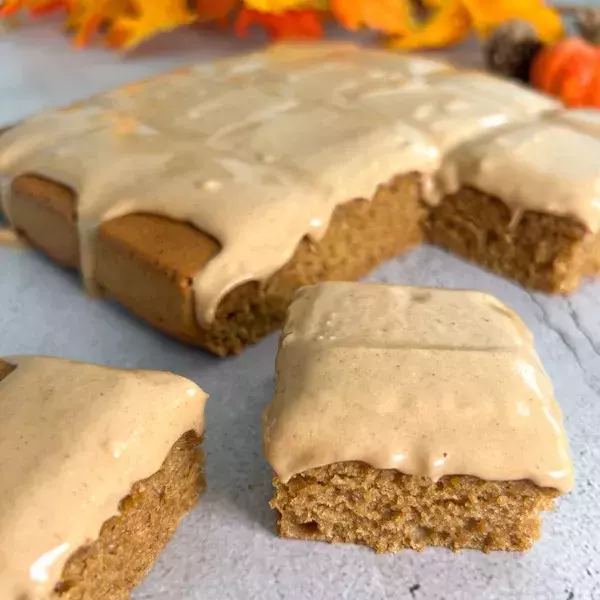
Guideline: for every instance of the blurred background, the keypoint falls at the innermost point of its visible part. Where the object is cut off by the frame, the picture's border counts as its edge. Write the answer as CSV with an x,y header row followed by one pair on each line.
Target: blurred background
x,y
54,51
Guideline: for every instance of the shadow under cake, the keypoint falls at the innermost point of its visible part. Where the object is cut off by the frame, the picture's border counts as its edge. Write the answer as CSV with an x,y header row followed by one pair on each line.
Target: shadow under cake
x,y
62,487
412,417
203,198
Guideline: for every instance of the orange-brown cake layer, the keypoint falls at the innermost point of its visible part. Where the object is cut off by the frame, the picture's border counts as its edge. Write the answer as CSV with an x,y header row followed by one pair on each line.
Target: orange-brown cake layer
x,y
388,511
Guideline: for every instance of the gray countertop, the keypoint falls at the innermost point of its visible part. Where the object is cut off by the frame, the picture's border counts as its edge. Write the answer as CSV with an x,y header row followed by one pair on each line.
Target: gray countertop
x,y
226,548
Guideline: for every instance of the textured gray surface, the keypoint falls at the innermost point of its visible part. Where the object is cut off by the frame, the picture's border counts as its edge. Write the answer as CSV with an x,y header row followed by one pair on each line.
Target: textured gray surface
x,y
226,548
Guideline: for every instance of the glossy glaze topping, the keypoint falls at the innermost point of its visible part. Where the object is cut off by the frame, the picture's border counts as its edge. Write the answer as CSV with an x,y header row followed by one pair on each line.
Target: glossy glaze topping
x,y
428,381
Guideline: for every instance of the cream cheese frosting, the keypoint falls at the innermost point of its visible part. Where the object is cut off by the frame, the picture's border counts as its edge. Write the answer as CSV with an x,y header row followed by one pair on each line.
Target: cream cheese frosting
x,y
430,382
74,438
257,151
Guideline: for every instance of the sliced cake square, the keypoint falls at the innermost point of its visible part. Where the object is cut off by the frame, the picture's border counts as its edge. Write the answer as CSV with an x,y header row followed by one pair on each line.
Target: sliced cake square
x,y
523,202
409,417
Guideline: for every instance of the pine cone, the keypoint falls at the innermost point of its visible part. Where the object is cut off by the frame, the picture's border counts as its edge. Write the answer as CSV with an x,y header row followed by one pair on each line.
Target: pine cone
x,y
587,21
511,48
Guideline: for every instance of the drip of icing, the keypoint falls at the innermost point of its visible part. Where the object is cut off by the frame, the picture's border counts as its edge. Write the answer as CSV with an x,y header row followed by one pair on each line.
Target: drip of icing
x,y
413,379
73,439
257,149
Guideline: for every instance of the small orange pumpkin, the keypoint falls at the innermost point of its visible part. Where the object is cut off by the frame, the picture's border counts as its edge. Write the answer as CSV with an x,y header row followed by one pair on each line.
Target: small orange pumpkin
x,y
569,70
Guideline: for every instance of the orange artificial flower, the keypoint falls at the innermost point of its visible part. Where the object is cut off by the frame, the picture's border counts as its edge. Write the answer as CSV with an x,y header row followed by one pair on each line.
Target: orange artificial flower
x,y
35,7
391,16
452,21
10,7
488,14
215,10
88,16
129,22
149,18
47,7
449,24
292,24
276,7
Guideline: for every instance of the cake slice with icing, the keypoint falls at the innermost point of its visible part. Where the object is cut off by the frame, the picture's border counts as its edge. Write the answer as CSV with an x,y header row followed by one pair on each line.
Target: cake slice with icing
x,y
524,201
98,465
408,417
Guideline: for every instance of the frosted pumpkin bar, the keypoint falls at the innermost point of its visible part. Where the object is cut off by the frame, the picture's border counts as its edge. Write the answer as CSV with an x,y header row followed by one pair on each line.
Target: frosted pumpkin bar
x,y
97,467
409,417
203,198
524,201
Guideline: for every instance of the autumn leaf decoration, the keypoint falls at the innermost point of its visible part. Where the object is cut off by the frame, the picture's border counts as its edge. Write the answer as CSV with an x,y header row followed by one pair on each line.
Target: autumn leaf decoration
x,y
406,24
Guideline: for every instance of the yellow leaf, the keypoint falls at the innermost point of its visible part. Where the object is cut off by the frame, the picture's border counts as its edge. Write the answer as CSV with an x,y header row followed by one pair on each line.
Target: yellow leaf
x,y
87,16
449,24
488,14
279,6
390,16
148,19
